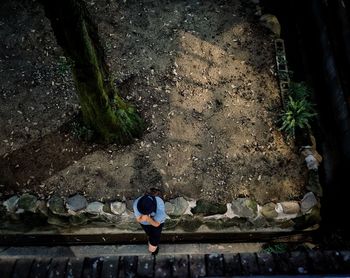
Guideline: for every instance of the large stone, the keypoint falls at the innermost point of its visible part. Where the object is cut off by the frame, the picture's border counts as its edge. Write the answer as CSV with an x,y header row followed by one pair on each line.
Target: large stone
x,y
244,208
271,22
118,207
11,204
76,203
28,202
169,208
56,205
309,201
95,208
180,206
269,211
290,207
206,208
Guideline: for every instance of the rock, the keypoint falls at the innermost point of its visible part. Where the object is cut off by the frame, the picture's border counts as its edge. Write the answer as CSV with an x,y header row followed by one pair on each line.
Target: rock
x,y
190,224
118,207
78,219
308,220
312,157
271,22
170,224
314,183
131,225
76,203
309,201
311,162
208,208
169,208
269,211
11,204
180,206
95,208
259,222
244,208
27,202
290,207
56,205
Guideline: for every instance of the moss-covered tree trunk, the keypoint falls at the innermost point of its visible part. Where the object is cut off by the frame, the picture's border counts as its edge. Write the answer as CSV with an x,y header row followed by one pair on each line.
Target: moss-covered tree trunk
x,y
102,109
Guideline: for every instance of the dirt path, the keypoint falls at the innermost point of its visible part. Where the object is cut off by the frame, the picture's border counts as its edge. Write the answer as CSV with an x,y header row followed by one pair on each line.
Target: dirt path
x,y
202,75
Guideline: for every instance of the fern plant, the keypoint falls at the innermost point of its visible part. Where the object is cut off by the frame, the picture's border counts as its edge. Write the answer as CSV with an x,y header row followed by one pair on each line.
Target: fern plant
x,y
299,90
298,111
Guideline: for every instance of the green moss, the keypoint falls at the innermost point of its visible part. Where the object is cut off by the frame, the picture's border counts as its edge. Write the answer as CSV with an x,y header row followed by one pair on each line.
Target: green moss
x,y
220,224
190,224
206,208
252,205
170,224
27,202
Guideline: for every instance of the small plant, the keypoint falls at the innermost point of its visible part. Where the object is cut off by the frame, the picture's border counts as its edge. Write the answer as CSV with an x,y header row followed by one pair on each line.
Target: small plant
x,y
299,110
275,248
299,90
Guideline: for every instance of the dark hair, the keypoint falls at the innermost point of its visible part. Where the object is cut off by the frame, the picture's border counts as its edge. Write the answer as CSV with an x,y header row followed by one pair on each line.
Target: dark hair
x,y
147,204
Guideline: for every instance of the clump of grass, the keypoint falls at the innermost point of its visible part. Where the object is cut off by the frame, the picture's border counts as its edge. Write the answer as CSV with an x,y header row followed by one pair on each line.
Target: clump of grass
x,y
299,90
299,110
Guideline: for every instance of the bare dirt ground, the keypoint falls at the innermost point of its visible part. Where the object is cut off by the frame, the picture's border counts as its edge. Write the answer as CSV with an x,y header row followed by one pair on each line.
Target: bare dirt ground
x,y
201,73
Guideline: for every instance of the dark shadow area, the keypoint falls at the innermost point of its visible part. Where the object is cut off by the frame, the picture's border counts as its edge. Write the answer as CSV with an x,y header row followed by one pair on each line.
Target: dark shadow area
x,y
32,164
316,53
167,237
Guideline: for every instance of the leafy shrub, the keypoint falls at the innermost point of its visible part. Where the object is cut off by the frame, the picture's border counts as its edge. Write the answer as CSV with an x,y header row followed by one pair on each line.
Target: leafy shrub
x,y
298,111
299,90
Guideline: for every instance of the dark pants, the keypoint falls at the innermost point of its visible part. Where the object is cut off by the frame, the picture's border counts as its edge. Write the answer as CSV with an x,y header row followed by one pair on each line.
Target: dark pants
x,y
153,233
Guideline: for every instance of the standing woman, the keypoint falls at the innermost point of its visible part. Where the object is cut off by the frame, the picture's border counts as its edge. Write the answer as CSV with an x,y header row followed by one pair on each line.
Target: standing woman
x,y
149,211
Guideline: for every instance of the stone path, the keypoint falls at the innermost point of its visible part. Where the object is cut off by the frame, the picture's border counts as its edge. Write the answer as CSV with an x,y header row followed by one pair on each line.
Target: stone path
x,y
186,260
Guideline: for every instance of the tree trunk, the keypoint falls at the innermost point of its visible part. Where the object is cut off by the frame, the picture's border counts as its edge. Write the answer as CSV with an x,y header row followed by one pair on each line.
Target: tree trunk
x,y
102,109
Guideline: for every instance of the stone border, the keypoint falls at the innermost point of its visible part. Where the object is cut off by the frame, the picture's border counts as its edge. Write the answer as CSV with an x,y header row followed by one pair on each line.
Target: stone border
x,y
26,212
